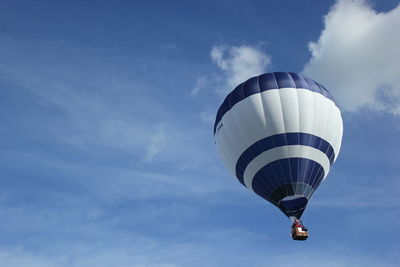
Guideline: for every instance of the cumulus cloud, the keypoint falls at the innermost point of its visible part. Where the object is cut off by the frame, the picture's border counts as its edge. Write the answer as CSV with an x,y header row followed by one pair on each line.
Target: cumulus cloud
x,y
357,56
239,63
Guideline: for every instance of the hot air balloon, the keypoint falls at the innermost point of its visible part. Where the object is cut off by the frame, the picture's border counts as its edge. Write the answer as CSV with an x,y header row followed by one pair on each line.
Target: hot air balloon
x,y
279,134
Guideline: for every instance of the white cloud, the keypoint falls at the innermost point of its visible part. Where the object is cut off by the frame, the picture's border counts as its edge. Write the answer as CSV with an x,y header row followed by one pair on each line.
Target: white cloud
x,y
357,56
199,85
239,63
236,64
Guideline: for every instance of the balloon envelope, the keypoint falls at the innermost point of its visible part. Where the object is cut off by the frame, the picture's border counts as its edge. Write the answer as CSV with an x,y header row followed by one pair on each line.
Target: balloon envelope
x,y
279,134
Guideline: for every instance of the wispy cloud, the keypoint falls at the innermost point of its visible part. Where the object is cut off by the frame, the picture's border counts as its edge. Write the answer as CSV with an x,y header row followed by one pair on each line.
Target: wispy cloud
x,y
92,107
158,142
201,82
357,58
208,117
239,63
107,158
138,251
235,64
350,192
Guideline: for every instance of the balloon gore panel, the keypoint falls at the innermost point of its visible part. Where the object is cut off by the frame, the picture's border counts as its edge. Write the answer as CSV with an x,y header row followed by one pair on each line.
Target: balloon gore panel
x,y
280,134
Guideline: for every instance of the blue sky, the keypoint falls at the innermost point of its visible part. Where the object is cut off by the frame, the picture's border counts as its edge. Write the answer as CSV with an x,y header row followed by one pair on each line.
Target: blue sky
x,y
107,155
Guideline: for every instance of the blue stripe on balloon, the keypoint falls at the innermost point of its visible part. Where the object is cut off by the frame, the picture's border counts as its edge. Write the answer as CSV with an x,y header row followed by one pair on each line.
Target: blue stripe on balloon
x,y
268,81
284,139
287,177
294,207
